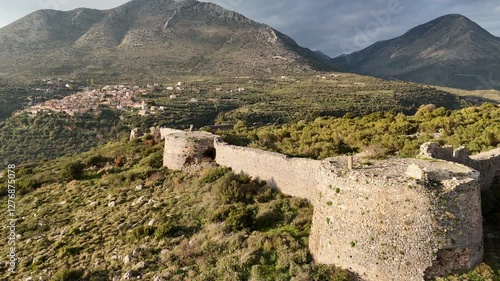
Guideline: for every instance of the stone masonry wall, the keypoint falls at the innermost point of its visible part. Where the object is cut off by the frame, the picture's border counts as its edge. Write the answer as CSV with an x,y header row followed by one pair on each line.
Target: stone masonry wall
x,y
487,163
167,131
292,176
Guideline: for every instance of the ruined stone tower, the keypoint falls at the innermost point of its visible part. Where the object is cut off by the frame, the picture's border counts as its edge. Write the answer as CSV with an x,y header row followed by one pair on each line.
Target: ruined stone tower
x,y
186,148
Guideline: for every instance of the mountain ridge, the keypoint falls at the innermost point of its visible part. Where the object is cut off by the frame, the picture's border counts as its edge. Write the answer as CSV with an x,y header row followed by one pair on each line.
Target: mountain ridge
x,y
441,52
151,37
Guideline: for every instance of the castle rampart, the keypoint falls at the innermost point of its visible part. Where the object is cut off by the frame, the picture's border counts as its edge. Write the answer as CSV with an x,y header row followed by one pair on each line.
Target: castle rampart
x,y
186,148
393,219
292,176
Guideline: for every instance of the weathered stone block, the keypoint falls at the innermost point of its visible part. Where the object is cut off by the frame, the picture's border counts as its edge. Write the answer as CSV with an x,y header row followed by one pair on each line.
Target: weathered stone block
x,y
416,172
136,133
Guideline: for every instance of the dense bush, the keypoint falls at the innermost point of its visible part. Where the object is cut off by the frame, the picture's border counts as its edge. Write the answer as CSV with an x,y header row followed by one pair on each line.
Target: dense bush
x,y
140,232
322,272
214,174
156,160
240,217
233,188
96,160
73,171
165,230
26,185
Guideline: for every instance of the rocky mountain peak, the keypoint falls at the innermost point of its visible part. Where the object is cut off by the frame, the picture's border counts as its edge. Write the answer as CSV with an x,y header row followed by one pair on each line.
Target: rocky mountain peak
x,y
451,50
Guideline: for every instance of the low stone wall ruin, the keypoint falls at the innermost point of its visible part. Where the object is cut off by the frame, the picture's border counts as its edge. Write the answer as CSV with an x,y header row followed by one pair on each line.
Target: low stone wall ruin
x,y
487,163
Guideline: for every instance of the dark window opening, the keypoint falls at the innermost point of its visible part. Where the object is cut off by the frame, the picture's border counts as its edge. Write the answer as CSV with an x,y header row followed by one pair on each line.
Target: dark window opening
x,y
210,154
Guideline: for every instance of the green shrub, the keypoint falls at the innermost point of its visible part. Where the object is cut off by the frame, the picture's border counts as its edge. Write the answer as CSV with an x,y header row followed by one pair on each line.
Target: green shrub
x,y
328,272
265,194
214,174
140,232
96,160
69,251
232,188
156,160
25,186
240,217
220,214
164,230
24,171
73,171
268,218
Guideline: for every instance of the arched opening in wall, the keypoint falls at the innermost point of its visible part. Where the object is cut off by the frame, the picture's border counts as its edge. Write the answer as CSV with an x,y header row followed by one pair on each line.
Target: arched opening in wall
x,y
491,214
210,154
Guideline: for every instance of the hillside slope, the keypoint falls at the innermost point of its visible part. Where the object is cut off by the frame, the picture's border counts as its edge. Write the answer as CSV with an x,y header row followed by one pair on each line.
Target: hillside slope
x,y
147,38
139,221
449,51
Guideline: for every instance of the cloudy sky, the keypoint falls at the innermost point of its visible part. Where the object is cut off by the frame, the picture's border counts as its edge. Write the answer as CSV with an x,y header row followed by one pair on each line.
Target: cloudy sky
x,y
333,26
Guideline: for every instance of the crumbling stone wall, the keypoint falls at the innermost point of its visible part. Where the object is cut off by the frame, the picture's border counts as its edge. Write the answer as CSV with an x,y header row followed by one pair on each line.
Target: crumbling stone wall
x,y
394,219
156,133
167,131
292,176
136,133
487,163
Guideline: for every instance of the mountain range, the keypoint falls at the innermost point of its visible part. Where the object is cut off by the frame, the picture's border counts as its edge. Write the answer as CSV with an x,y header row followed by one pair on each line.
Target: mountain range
x,y
148,38
450,51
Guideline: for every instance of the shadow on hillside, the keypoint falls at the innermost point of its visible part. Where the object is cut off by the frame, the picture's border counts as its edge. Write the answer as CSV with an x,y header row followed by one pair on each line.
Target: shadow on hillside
x,y
475,100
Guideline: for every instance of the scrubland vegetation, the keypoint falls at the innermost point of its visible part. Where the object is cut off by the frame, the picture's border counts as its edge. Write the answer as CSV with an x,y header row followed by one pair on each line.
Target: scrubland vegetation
x,y
26,138
115,212
377,134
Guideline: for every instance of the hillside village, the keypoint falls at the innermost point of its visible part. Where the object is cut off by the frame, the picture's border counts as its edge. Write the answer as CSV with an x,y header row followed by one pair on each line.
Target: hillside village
x,y
120,97
90,102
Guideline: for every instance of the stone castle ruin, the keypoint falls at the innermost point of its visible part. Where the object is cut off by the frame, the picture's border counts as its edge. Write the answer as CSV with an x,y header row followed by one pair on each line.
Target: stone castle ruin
x,y
393,219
